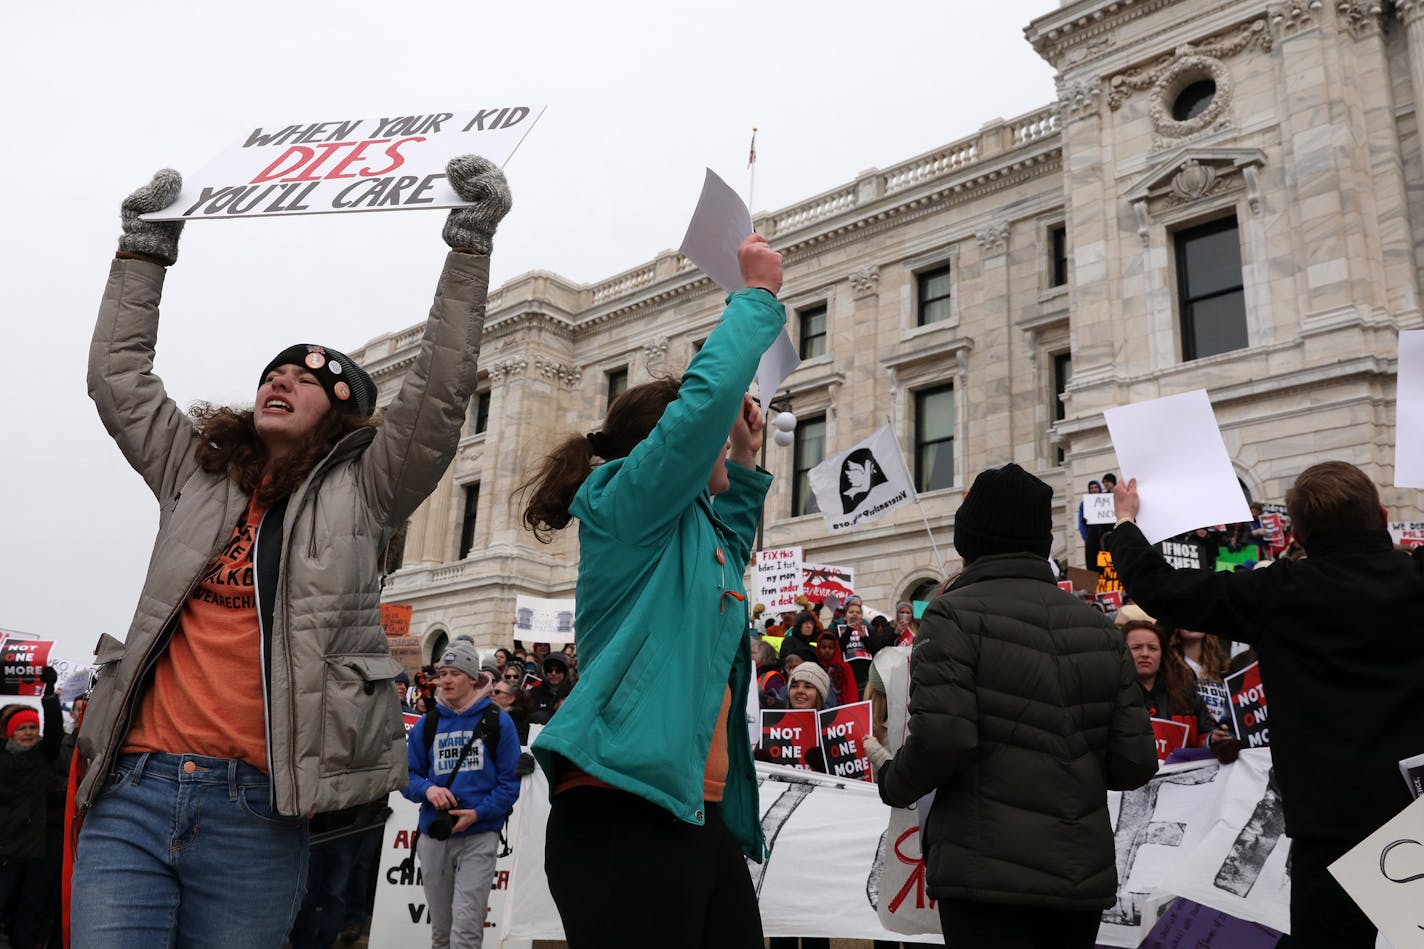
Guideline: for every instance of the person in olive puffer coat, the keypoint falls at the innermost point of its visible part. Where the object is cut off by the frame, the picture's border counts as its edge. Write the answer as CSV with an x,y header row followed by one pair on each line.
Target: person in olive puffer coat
x,y
1024,712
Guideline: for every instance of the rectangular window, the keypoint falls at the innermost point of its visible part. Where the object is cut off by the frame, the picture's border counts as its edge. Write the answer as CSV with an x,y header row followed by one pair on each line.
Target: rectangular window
x,y
1062,375
813,331
808,452
617,385
933,286
934,438
1209,289
1058,247
482,407
467,524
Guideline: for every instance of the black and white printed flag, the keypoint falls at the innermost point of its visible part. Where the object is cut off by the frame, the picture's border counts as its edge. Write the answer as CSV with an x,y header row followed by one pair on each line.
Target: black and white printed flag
x,y
863,483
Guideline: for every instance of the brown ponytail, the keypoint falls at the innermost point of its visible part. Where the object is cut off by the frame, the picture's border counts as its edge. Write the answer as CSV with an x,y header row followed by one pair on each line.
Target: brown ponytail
x,y
552,486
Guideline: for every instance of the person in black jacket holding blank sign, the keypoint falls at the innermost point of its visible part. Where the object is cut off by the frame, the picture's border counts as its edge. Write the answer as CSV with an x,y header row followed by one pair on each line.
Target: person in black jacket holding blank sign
x,y
1337,631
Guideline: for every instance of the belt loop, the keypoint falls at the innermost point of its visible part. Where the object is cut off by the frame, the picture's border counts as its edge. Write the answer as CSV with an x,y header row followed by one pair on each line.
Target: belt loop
x,y
139,765
232,788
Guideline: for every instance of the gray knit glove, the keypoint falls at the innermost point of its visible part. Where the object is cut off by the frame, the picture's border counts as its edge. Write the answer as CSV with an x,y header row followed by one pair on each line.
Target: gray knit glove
x,y
480,181
158,239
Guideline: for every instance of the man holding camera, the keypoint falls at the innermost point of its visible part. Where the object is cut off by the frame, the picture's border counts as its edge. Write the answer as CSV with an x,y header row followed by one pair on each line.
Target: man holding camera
x,y
463,761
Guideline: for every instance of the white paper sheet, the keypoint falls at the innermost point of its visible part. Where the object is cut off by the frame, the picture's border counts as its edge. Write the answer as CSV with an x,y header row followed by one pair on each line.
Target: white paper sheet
x,y
1385,876
1099,509
718,227
1409,412
776,364
1173,448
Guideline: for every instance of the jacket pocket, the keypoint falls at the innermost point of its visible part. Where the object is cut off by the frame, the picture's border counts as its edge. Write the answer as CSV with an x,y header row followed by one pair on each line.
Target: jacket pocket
x,y
360,713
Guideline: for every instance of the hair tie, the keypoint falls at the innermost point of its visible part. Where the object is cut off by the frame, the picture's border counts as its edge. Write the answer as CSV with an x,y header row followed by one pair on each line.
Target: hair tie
x,y
599,443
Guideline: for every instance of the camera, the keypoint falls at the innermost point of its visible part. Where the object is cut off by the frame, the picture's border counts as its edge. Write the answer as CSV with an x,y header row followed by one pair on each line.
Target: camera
x,y
441,827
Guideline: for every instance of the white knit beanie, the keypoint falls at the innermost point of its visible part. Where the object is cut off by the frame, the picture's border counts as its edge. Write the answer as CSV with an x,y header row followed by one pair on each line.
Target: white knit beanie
x,y
814,674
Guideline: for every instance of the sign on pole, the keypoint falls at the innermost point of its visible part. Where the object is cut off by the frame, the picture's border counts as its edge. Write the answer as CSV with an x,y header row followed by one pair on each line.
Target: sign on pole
x,y
863,483
329,164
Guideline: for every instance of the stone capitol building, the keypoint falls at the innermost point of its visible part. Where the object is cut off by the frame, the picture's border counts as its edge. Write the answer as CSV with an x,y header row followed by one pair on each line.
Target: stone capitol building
x,y
1226,194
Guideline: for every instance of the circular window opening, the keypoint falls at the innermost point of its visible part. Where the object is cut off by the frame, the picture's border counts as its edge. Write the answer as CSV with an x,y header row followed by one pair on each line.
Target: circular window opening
x,y
1194,99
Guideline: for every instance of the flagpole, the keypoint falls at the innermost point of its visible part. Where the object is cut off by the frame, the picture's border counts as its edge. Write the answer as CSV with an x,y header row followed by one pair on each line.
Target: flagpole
x,y
899,453
751,166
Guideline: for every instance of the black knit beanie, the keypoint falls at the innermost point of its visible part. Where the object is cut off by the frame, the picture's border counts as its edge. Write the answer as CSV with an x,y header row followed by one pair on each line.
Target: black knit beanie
x,y
347,385
1006,511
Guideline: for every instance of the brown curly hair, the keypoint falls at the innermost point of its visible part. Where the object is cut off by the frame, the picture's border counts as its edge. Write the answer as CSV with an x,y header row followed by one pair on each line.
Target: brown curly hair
x,y
1175,674
228,442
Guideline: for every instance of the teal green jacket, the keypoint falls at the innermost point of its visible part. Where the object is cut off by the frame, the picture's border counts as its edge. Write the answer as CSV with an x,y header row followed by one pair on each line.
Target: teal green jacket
x,y
660,633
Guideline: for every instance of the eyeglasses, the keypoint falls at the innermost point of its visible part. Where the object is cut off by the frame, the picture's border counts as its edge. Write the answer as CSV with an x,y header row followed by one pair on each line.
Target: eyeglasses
x,y
511,677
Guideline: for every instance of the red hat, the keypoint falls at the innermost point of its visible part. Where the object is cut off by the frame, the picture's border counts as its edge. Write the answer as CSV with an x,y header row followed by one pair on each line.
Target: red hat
x,y
26,716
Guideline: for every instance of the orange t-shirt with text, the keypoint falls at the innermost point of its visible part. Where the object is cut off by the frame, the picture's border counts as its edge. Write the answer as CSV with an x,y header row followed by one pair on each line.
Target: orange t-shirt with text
x,y
206,694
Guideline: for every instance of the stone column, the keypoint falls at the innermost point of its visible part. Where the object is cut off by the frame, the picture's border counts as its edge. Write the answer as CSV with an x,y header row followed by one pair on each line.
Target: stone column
x,y
1411,12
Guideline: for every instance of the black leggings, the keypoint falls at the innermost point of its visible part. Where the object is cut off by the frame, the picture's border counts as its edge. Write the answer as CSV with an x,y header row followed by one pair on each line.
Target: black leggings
x,y
996,926
600,841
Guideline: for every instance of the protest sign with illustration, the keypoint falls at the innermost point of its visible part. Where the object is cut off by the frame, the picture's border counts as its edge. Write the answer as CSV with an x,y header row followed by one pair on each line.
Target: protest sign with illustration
x,y
819,581
842,729
776,578
22,661
787,734
1107,574
330,164
540,620
863,483
1248,706
1169,736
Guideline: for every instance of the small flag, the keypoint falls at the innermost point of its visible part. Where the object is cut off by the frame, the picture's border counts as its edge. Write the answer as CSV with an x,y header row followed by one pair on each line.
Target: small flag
x,y
864,483
751,152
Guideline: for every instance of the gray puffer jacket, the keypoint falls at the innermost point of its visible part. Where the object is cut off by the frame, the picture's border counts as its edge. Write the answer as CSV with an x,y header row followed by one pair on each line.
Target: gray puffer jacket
x,y
334,734
1024,712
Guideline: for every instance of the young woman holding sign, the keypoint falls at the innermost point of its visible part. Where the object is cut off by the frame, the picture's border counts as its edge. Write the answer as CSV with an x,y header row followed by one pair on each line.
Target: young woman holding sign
x,y
649,758
254,688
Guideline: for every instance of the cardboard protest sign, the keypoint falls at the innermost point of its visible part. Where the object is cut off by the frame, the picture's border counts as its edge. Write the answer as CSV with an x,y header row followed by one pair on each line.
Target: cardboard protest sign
x,y
410,719
1170,736
819,581
406,651
1407,533
1384,875
540,620
863,483
1107,574
787,734
776,578
1172,446
22,661
842,729
1083,579
1099,509
343,164
1248,706
395,618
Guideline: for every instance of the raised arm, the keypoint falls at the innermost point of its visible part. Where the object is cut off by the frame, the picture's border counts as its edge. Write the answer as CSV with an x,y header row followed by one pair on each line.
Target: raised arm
x,y
153,433
421,431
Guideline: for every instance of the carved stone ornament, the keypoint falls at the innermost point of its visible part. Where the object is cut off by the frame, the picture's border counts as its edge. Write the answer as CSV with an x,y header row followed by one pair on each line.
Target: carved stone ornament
x,y
994,239
569,376
1080,99
1194,181
865,282
1179,75
505,368
655,349
1359,18
1295,17
1409,11
1248,35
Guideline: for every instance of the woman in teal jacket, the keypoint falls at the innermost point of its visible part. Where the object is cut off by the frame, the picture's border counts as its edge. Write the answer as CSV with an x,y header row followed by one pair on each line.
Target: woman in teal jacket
x,y
649,758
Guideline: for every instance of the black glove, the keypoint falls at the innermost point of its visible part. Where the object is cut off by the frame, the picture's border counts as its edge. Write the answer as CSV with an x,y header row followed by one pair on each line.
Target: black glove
x,y
526,765
480,181
157,239
49,677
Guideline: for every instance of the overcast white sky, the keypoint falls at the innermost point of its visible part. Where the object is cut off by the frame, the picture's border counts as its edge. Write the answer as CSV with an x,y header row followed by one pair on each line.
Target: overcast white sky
x,y
641,96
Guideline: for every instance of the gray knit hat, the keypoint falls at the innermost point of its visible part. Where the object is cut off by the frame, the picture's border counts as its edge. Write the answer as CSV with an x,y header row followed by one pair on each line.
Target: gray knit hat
x,y
814,674
461,655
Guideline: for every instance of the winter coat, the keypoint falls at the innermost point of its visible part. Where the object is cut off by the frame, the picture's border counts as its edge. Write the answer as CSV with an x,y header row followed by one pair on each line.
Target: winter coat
x,y
1342,664
1024,712
486,781
334,733
661,610
24,783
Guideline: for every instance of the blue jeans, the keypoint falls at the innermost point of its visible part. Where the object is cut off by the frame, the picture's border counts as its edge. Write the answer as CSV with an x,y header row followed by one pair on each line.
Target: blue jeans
x,y
185,850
